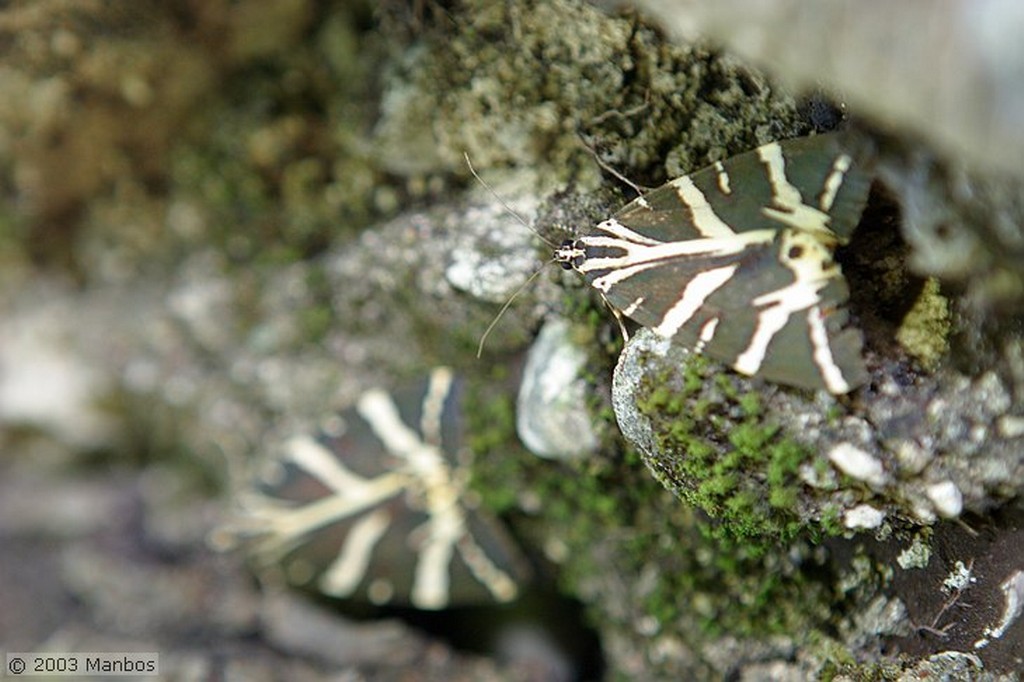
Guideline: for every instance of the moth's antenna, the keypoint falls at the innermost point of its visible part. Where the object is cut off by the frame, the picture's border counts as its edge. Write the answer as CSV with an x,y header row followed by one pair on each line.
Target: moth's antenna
x,y
504,203
519,289
609,169
494,322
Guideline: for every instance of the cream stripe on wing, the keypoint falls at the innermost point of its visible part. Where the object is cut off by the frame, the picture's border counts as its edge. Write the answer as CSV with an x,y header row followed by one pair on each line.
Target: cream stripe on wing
x,y
283,527
723,178
439,386
431,579
704,217
830,371
380,412
694,294
617,229
777,306
321,464
791,209
497,581
345,573
638,258
834,181
633,307
707,333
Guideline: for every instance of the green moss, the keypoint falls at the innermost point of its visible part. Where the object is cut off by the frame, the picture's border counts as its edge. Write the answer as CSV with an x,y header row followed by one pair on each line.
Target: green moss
x,y
498,460
750,403
785,459
740,470
862,672
924,332
318,317
782,498
831,520
612,523
612,518
289,210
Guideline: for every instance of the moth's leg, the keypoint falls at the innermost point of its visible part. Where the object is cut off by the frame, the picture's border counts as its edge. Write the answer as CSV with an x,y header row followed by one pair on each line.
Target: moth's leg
x,y
618,318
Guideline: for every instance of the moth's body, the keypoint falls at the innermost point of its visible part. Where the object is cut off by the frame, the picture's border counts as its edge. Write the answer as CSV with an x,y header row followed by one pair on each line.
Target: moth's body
x,y
736,261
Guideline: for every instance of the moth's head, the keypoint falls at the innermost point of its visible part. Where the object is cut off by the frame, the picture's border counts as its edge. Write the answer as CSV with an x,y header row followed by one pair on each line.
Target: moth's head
x,y
570,254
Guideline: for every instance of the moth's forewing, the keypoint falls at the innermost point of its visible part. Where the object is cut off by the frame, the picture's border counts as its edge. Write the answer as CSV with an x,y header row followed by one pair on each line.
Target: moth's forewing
x,y
809,163
758,274
664,285
738,190
786,361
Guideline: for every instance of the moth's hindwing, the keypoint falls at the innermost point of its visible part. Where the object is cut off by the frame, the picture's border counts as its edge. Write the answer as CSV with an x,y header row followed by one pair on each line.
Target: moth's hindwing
x,y
736,260
376,508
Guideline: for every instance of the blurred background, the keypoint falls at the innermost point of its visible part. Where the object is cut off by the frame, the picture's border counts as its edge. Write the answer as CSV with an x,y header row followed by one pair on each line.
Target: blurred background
x,y
222,221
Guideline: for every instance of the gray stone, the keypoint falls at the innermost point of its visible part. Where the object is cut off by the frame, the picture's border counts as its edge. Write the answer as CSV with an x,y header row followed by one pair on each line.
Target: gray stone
x,y
552,415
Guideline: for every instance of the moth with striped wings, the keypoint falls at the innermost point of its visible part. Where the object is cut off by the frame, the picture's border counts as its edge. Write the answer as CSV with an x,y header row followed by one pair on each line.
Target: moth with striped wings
x,y
736,261
376,507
